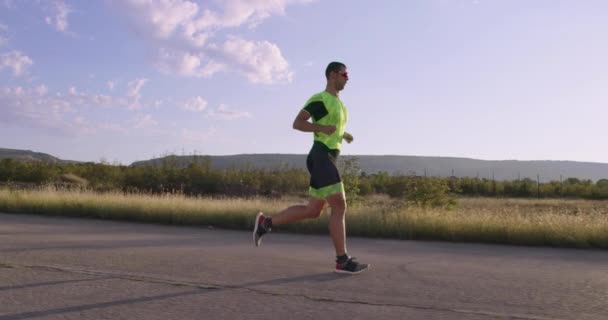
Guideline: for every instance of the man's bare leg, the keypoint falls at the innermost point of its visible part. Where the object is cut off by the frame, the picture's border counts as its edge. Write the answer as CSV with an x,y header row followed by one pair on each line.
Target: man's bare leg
x,y
263,223
337,227
299,212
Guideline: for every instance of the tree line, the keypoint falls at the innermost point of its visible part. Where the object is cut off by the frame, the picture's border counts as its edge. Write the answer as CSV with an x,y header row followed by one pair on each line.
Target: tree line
x,y
199,178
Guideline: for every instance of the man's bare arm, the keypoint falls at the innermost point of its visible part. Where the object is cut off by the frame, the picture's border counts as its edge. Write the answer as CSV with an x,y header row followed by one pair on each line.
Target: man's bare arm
x,y
301,123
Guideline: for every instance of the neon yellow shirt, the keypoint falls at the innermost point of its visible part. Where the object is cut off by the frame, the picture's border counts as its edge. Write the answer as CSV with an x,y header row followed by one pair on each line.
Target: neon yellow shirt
x,y
326,109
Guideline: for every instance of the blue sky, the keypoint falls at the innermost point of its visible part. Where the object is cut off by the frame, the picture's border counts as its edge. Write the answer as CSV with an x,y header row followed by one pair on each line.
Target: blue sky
x,y
127,80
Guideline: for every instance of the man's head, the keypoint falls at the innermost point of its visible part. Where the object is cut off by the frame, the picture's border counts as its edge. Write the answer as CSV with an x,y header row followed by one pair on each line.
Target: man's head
x,y
336,75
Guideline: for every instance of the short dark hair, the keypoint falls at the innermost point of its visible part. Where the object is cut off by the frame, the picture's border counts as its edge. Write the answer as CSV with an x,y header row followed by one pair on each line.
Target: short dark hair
x,y
333,67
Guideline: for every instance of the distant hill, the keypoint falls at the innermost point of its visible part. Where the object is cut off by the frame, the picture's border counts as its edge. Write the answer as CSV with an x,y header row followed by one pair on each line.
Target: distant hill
x,y
431,166
27,155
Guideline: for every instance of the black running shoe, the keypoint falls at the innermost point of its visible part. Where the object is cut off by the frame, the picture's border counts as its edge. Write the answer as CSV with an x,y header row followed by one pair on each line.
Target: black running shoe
x,y
259,229
351,266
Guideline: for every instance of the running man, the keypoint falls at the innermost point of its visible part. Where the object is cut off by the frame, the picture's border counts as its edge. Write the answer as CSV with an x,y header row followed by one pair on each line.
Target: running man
x,y
329,118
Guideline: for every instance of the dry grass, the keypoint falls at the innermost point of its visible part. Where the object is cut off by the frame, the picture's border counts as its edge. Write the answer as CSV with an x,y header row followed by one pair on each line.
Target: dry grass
x,y
568,223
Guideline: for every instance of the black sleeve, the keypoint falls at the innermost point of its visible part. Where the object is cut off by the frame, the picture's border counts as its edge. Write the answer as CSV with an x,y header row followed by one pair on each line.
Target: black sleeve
x,y
316,109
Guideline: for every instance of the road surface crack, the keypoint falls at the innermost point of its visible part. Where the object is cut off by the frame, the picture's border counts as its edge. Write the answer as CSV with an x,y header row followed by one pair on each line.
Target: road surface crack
x,y
172,282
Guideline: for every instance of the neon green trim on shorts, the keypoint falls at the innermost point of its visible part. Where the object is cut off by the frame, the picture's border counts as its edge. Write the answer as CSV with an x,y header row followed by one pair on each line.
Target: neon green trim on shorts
x,y
327,191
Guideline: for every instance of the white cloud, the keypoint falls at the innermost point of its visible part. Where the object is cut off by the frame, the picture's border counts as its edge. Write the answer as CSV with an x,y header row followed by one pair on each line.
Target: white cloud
x,y
59,19
100,100
188,64
225,112
33,107
83,126
181,31
16,61
165,19
134,92
41,90
187,21
83,99
196,104
246,12
55,113
135,86
142,121
111,85
211,68
199,104
260,61
178,62
238,13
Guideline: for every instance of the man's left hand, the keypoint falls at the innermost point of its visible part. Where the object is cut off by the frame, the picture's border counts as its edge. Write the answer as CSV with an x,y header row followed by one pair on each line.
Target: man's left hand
x,y
348,137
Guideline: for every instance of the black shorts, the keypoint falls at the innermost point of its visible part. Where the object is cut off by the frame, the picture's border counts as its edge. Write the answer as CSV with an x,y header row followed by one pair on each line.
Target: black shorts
x,y
325,179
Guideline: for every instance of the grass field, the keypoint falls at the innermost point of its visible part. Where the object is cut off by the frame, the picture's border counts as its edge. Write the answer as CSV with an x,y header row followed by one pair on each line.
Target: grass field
x,y
561,223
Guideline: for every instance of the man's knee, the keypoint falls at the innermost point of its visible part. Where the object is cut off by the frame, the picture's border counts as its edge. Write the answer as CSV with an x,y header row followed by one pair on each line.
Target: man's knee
x,y
314,209
337,202
314,213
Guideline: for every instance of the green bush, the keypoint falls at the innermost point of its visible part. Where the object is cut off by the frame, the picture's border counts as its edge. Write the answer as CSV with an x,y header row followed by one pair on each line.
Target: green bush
x,y
428,192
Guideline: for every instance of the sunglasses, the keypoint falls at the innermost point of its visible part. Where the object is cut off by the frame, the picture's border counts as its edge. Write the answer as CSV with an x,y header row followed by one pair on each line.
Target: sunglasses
x,y
344,74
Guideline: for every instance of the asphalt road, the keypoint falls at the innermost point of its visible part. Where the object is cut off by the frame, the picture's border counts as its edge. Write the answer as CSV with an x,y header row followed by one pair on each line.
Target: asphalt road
x,y
66,268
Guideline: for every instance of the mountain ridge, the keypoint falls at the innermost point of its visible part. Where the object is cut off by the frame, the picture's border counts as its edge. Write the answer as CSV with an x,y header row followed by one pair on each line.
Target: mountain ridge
x,y
545,170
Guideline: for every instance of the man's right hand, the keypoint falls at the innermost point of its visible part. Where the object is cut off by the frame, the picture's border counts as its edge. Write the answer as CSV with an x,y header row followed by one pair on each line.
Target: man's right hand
x,y
328,130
